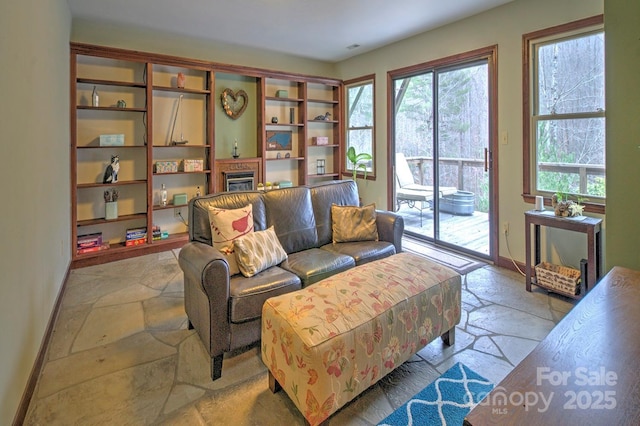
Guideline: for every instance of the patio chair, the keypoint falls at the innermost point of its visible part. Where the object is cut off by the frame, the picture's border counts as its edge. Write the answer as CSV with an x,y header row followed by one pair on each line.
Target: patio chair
x,y
414,194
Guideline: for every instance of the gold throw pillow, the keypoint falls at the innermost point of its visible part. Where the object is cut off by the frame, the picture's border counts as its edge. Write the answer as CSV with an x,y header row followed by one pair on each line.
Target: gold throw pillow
x,y
351,223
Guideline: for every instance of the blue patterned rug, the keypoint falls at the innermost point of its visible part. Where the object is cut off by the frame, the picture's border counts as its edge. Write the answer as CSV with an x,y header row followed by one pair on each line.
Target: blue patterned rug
x,y
446,401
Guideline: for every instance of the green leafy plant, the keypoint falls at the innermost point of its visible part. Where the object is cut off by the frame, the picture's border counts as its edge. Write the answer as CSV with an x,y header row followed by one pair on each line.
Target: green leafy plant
x,y
358,161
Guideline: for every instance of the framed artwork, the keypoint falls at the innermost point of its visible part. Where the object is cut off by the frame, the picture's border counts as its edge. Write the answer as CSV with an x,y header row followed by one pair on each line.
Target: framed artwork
x,y
279,140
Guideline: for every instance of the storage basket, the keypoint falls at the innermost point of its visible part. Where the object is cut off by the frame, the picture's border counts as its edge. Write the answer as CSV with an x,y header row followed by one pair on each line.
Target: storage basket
x,y
561,279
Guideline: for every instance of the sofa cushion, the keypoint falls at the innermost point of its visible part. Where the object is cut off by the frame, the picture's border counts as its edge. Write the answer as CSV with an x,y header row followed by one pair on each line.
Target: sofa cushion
x,y
258,251
323,195
315,264
363,251
228,225
247,295
290,212
350,223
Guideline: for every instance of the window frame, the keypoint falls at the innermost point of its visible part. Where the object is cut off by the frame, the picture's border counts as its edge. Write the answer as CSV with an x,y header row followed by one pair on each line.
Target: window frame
x,y
359,81
529,40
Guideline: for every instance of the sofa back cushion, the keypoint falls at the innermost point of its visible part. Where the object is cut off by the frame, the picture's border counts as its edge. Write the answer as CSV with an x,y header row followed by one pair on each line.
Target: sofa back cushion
x,y
323,195
199,225
290,212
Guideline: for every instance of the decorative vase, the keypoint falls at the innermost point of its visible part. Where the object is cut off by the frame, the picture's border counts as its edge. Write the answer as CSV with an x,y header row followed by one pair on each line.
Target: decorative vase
x,y
111,210
180,80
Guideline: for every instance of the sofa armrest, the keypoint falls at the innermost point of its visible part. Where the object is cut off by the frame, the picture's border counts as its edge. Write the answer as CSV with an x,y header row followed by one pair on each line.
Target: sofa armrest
x,y
206,293
390,228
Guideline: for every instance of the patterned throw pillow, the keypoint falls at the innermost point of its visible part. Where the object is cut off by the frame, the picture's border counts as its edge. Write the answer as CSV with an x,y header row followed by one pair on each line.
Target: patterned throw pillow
x,y
226,226
351,223
258,251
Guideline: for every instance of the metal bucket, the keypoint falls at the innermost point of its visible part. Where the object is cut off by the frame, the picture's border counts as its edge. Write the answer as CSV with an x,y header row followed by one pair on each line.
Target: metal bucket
x,y
459,203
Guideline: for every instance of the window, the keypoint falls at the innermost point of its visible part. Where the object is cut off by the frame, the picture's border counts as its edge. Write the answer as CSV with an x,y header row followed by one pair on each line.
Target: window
x,y
564,117
360,130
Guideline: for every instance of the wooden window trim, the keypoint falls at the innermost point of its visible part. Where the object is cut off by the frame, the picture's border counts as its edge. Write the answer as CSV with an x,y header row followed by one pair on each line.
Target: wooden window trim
x,y
527,196
348,173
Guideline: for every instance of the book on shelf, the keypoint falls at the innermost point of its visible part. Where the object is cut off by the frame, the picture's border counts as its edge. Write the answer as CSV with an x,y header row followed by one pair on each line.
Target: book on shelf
x,y
136,242
89,240
136,233
156,232
83,250
136,236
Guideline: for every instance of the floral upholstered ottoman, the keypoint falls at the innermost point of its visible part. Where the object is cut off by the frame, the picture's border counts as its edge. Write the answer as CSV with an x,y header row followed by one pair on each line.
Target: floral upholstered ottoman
x,y
327,343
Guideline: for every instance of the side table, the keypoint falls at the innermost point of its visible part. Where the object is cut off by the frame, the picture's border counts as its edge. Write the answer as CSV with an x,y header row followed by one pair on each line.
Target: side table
x,y
585,224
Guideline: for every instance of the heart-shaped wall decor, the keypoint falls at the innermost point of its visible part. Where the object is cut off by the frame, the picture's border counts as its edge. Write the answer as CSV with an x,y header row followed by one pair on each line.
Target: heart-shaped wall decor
x,y
234,103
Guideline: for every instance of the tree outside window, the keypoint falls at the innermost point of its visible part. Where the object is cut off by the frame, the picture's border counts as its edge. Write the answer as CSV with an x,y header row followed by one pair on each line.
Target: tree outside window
x,y
360,119
566,132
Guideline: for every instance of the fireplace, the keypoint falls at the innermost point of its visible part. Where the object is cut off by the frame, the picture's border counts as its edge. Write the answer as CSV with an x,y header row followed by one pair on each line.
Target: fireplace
x,y
239,181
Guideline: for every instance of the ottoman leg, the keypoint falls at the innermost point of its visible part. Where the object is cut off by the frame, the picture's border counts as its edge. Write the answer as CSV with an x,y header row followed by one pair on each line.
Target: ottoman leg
x,y
274,386
449,337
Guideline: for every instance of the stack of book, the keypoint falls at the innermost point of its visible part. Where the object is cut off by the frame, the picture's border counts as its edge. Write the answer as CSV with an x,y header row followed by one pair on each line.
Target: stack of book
x,y
136,236
89,242
156,232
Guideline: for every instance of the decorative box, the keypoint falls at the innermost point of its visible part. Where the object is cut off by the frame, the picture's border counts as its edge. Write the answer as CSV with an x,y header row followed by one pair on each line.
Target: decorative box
x,y
282,94
285,184
192,165
166,166
111,140
321,140
179,199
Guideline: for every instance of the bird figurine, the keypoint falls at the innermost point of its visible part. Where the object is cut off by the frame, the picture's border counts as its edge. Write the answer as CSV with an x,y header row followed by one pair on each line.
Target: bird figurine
x,y
324,117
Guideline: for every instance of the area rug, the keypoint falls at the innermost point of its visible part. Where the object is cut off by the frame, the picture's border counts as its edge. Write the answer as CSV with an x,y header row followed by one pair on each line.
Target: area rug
x,y
460,264
446,401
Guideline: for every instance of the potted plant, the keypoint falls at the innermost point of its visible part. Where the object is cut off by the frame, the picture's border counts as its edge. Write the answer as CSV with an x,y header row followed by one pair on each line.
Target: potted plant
x,y
565,207
358,161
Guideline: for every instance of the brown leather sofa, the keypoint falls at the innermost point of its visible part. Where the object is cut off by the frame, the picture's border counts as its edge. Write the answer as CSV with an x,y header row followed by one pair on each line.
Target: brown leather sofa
x,y
225,310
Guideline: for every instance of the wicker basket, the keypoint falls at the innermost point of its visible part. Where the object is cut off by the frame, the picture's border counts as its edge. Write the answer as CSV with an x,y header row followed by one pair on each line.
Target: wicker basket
x,y
560,279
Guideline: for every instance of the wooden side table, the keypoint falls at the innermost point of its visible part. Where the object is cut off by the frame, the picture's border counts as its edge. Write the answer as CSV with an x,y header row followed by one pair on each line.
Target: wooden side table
x,y
585,224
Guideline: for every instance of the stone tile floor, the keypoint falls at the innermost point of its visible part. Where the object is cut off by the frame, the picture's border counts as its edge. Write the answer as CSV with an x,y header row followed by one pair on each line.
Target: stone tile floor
x,y
121,353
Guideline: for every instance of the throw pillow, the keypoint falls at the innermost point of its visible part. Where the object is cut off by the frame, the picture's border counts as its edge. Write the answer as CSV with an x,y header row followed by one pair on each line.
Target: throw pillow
x,y
258,251
226,226
351,223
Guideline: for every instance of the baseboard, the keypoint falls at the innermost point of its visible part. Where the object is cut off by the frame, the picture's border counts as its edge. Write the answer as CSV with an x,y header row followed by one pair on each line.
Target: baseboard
x,y
30,387
505,262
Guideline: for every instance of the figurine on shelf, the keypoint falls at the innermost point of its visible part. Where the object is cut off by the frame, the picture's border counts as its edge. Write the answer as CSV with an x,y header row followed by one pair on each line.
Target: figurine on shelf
x,y
180,80
324,117
111,173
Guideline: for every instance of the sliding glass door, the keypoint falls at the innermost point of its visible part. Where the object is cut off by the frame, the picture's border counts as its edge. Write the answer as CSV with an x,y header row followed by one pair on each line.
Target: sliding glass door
x,y
442,137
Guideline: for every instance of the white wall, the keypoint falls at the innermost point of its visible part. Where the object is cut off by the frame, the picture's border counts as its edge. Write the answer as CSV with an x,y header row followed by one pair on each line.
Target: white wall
x,y
34,182
503,26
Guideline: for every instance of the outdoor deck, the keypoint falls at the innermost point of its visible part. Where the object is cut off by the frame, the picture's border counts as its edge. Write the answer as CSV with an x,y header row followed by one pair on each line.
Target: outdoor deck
x,y
470,232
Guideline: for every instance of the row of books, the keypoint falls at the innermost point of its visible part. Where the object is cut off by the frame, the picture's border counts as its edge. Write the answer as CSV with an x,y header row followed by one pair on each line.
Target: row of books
x,y
90,242
134,236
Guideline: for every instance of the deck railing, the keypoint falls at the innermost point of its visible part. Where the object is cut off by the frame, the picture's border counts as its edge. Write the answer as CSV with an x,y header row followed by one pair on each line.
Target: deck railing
x,y
467,170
